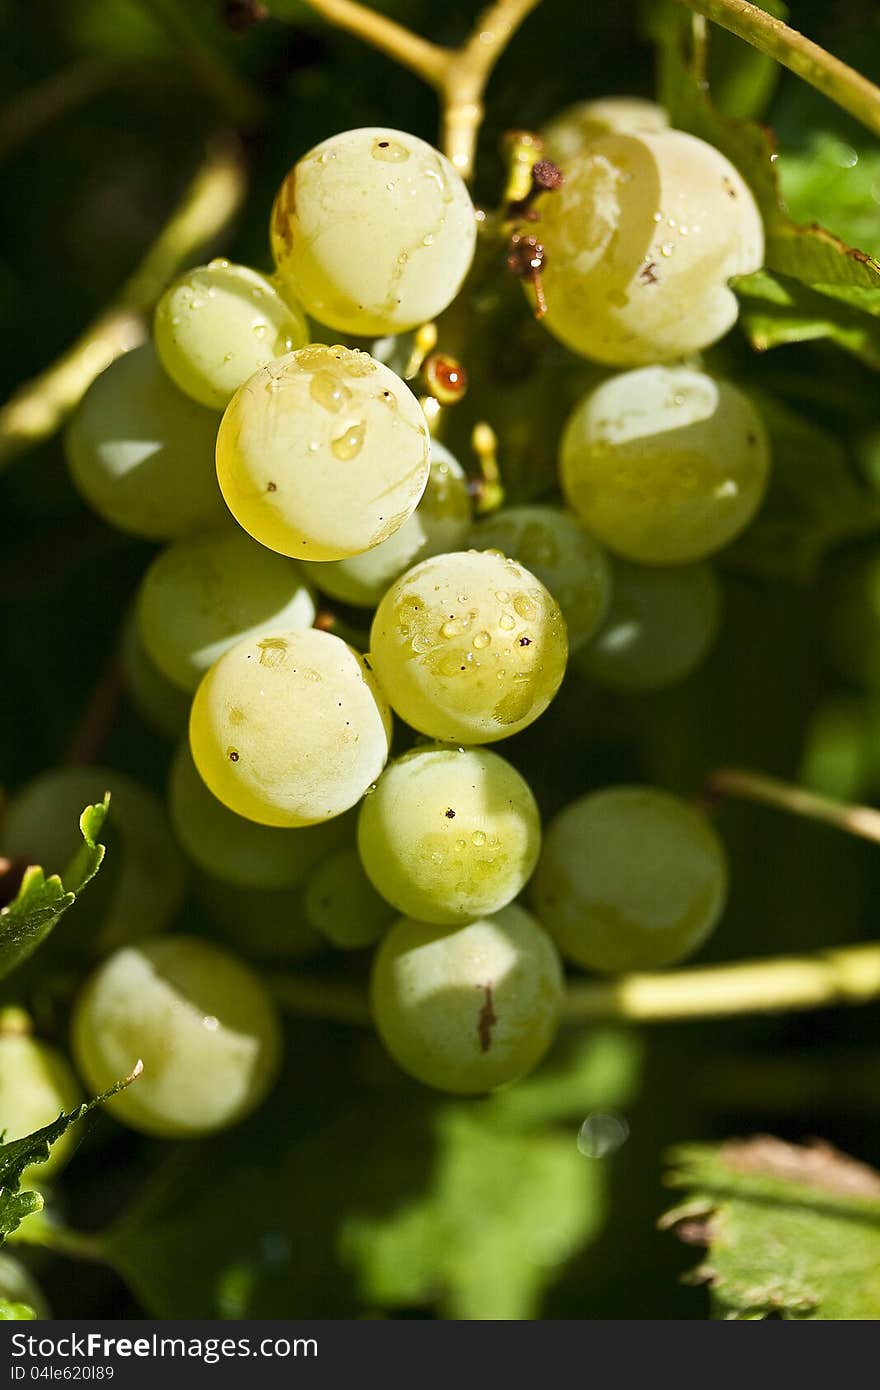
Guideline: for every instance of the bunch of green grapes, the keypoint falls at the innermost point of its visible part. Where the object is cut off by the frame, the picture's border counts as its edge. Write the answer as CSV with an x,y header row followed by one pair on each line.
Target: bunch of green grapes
x,y
276,460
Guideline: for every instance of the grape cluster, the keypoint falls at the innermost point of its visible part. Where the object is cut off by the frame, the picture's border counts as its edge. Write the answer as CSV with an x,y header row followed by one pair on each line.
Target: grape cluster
x,y
279,456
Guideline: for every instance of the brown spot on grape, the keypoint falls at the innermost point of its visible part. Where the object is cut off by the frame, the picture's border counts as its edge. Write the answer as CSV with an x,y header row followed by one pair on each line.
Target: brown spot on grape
x,y
233,755
648,273
486,1019
450,814
271,487
525,641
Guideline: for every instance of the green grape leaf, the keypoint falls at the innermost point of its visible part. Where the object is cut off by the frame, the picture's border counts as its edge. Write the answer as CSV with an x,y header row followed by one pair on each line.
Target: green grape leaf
x,y
814,500
813,285
15,1312
368,1189
40,902
791,1231
18,1154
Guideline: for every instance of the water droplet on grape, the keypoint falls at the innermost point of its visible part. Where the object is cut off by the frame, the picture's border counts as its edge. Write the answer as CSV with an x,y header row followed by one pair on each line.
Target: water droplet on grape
x,y
349,444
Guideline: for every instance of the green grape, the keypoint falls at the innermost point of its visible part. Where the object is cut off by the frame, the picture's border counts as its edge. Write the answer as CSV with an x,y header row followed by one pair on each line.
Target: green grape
x,y
36,1084
849,614
572,130
341,903
198,1018
640,242
218,324
323,454
141,454
557,550
290,729
469,647
17,1286
449,834
236,850
439,524
374,231
469,1009
205,593
665,464
630,879
146,868
264,924
660,625
160,704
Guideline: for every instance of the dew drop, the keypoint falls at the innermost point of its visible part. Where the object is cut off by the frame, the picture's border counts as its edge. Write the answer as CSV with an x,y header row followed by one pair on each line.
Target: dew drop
x,y
327,389
524,607
349,444
507,622
478,838
667,248
482,640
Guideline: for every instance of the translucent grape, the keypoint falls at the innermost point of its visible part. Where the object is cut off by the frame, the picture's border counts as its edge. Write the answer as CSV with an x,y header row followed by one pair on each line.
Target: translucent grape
x,y
640,243
630,879
264,924
469,647
665,464
218,324
159,703
572,130
341,903
849,613
141,453
660,625
201,1022
374,231
449,834
290,729
205,593
467,1010
141,886
237,850
557,550
323,454
17,1286
36,1084
439,523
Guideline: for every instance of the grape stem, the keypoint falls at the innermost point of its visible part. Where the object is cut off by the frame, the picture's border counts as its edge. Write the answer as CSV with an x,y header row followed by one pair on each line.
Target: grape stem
x,y
848,975
834,79
40,406
746,785
458,75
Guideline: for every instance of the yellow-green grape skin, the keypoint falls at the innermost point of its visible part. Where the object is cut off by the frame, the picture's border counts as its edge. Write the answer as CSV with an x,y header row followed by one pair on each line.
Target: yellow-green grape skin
x,y
440,523
469,647
849,614
163,706
219,323
237,850
557,549
665,464
572,130
467,1010
629,878
37,1084
323,454
205,593
141,454
449,834
144,876
661,624
17,1286
290,729
198,1018
341,903
641,241
262,924
373,231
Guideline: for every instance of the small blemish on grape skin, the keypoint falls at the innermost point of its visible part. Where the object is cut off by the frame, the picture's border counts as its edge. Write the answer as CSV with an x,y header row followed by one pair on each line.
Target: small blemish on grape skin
x,y
450,814
271,487
486,1019
233,755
